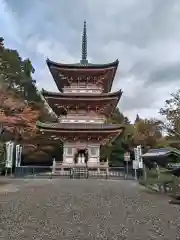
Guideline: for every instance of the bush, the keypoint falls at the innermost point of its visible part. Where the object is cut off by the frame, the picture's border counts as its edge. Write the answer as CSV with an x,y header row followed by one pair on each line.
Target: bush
x,y
2,155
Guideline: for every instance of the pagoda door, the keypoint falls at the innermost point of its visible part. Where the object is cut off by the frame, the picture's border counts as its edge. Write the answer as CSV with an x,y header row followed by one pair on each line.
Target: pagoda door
x,y
81,156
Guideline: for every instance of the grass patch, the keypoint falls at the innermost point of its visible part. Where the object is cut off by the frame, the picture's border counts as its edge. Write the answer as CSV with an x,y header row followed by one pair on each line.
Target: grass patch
x,y
160,181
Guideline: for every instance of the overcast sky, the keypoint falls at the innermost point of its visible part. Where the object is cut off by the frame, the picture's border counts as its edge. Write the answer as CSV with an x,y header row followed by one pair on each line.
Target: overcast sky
x,y
143,34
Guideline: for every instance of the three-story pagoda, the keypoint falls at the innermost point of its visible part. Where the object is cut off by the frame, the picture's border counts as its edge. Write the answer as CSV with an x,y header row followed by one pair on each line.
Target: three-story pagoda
x,y
83,104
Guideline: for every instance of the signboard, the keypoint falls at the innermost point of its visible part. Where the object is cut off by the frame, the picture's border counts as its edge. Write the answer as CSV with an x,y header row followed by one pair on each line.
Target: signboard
x,y
138,153
127,157
135,164
140,164
135,154
9,154
138,156
54,165
139,150
18,155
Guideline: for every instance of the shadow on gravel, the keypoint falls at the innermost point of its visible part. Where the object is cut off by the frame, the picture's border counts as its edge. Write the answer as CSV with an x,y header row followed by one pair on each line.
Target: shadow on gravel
x,y
3,183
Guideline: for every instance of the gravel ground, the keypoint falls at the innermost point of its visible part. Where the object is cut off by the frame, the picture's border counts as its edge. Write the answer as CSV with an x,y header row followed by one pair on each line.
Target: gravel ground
x,y
85,209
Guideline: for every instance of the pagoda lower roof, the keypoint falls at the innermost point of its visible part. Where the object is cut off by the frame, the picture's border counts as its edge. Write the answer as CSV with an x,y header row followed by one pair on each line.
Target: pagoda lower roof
x,y
100,133
48,94
76,127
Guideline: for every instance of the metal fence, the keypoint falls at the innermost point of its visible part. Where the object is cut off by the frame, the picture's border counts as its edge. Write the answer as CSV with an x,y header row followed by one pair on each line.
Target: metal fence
x,y
72,173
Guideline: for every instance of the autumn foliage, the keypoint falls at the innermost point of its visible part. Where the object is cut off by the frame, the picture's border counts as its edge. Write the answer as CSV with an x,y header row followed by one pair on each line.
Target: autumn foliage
x,y
16,116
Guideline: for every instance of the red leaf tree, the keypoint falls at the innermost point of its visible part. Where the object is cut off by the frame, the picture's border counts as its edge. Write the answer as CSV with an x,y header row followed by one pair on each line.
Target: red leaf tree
x,y
17,117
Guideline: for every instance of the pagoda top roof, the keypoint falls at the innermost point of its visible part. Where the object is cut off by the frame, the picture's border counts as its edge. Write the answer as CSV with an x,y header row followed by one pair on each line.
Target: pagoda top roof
x,y
79,126
81,65
81,95
64,74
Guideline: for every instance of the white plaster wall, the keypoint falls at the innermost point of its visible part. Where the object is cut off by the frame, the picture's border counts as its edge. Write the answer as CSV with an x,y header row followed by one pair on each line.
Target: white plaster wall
x,y
94,159
68,158
90,120
84,118
95,91
83,89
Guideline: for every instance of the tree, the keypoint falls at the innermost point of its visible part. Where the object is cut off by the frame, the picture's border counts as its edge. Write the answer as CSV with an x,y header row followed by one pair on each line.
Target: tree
x,y
21,104
16,74
116,157
137,119
114,152
105,152
17,116
147,132
171,112
117,117
2,154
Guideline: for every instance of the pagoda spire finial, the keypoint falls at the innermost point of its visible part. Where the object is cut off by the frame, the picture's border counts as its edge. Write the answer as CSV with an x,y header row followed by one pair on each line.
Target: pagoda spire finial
x,y
84,45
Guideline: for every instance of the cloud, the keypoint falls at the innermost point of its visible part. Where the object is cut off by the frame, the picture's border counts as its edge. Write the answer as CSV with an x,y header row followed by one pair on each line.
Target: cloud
x,y
6,20
166,73
144,35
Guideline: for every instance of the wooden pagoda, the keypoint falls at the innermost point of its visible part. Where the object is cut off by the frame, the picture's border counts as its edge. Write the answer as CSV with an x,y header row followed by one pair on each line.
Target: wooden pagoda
x,y
83,104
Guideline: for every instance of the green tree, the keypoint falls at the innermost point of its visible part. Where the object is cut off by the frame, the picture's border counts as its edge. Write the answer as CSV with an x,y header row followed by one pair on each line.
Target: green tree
x,y
147,132
2,154
114,152
137,119
117,117
171,112
116,157
16,74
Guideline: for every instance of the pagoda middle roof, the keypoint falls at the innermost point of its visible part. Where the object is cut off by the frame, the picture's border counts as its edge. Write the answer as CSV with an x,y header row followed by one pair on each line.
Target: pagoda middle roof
x,y
80,65
92,96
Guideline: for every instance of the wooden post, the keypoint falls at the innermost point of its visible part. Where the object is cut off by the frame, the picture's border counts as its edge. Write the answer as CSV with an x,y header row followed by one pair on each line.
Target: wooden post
x,y
144,172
